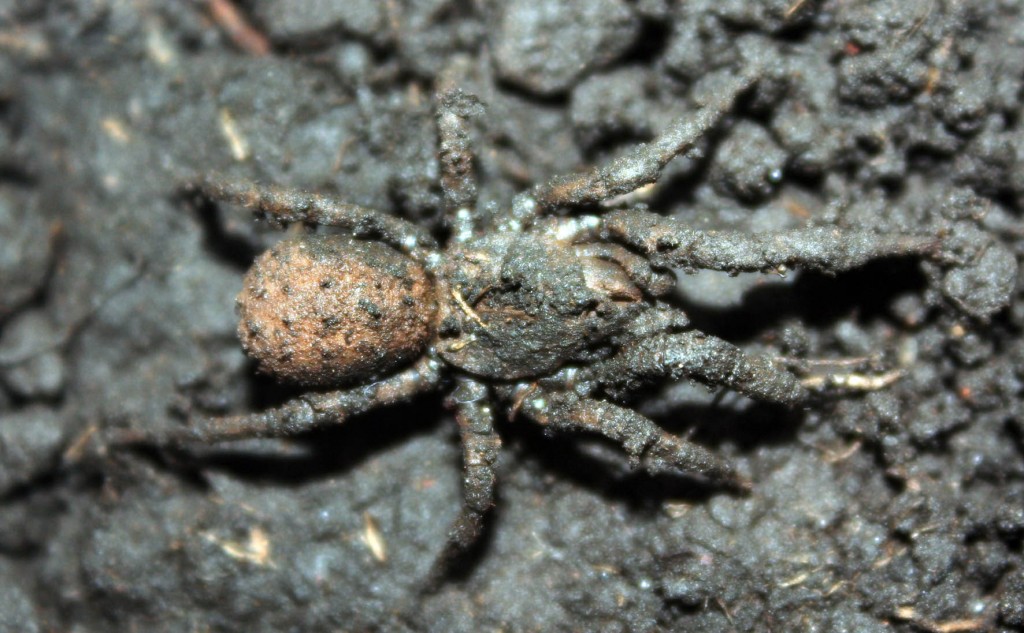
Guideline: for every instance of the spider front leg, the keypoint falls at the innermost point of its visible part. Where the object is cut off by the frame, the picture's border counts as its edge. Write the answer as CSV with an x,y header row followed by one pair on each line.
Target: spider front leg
x,y
283,206
480,449
640,166
648,446
702,357
669,242
455,110
302,414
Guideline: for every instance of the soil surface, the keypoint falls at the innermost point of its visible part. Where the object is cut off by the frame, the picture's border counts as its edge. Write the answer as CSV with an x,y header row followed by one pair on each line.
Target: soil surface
x,y
897,508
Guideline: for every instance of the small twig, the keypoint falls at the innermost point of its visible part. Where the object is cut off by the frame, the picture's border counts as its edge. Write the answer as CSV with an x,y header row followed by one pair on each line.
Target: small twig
x,y
373,539
236,141
963,625
467,309
77,448
853,382
793,8
235,25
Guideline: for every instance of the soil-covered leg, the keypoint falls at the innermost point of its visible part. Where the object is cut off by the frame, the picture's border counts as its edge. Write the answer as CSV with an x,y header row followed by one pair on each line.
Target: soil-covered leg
x,y
668,242
480,450
302,414
648,446
455,110
282,206
640,166
701,357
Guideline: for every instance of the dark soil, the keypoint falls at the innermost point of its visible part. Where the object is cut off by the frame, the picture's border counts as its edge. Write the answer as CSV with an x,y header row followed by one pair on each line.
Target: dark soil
x,y
899,509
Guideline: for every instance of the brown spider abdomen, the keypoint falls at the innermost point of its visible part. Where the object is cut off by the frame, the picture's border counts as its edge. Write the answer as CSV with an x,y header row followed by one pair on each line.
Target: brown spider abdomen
x,y
325,310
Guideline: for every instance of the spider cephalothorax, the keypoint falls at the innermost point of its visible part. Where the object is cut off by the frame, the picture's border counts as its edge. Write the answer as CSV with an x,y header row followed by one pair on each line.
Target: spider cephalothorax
x,y
552,318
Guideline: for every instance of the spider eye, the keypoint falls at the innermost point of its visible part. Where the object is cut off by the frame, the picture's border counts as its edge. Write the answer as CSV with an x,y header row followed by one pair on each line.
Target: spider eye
x,y
328,310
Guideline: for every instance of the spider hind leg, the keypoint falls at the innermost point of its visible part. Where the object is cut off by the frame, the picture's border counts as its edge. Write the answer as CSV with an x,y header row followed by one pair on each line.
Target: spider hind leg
x,y
301,414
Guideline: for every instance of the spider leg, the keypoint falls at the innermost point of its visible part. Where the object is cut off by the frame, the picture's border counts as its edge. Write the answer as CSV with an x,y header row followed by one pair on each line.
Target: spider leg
x,y
669,242
302,414
480,449
648,446
702,357
640,166
455,109
282,206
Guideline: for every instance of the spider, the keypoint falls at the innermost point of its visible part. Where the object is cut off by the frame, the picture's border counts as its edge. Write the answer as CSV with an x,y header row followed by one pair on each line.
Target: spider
x,y
553,318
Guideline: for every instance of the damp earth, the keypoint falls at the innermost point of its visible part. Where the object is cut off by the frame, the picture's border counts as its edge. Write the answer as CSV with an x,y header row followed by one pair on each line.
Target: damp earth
x,y
892,508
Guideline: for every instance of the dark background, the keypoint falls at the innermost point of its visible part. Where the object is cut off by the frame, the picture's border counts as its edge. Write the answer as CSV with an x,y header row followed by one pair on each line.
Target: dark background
x,y
900,509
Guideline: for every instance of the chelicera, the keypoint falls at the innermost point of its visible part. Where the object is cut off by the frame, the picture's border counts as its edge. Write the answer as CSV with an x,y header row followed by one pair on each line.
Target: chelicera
x,y
551,318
